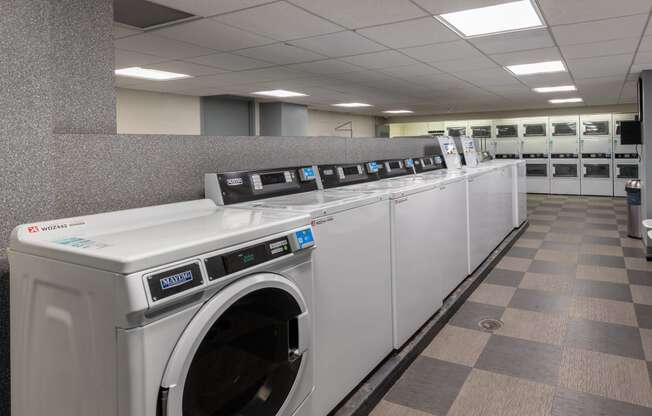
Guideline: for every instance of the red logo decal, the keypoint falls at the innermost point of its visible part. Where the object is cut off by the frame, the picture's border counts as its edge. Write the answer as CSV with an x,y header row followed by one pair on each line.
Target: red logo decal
x,y
33,229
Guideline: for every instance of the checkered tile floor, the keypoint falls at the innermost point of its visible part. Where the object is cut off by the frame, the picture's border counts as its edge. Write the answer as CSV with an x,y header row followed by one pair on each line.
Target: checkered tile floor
x,y
575,298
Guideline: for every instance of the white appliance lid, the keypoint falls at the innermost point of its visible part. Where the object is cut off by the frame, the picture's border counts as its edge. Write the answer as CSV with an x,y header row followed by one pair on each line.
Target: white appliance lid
x,y
137,239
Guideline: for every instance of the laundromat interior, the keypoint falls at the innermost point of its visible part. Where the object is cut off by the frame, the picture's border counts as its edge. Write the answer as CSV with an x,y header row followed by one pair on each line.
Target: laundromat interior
x,y
325,208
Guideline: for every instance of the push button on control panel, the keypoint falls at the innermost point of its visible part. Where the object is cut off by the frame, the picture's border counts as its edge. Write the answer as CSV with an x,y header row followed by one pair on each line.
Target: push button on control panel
x,y
307,174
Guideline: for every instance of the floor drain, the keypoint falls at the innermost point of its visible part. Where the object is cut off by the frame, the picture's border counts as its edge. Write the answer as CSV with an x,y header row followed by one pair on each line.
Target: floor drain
x,y
490,324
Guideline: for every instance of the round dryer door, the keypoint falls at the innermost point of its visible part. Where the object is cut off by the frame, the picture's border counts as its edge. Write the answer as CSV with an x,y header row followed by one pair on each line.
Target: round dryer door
x,y
242,354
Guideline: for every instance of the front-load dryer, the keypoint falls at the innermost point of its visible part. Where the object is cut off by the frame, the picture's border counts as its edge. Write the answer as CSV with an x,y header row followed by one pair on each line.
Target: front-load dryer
x,y
352,269
181,309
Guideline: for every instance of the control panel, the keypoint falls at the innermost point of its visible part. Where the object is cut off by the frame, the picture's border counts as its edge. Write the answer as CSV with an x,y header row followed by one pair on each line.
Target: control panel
x,y
450,153
429,163
333,176
395,167
180,280
234,187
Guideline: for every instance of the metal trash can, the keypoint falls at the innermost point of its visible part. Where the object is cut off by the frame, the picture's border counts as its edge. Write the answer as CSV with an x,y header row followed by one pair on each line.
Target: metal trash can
x,y
633,189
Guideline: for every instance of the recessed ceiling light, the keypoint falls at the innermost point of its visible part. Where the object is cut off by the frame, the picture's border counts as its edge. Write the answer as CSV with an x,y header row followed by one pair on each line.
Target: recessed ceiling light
x,y
506,17
560,88
280,93
398,111
352,105
565,100
537,68
152,74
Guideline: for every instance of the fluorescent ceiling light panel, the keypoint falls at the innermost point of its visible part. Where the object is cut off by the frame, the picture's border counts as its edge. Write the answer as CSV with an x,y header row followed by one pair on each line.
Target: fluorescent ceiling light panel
x,y
501,18
565,100
350,105
561,88
398,111
280,93
537,68
151,74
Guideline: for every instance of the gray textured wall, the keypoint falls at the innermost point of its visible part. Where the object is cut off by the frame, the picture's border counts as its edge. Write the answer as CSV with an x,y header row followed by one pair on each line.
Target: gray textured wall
x,y
227,116
283,119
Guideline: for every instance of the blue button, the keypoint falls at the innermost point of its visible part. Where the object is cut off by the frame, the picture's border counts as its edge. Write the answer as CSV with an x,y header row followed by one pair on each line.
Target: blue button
x,y
309,173
373,167
409,163
304,238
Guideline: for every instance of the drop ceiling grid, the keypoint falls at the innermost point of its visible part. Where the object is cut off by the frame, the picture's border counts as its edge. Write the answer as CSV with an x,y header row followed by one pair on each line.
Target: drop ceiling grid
x,y
484,84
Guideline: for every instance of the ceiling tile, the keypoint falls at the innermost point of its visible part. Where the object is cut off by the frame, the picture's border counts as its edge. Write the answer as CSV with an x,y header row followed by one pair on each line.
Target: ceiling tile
x,y
229,62
600,66
642,62
411,33
547,80
409,71
646,44
257,75
378,60
281,54
155,45
356,14
212,34
524,57
125,59
609,29
338,44
605,48
483,77
327,66
563,11
209,7
188,68
514,41
280,21
464,64
120,31
447,6
442,51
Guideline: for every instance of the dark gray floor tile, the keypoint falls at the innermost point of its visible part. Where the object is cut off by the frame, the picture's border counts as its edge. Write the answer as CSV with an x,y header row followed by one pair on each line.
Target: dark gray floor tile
x,y
505,277
644,315
599,215
549,267
429,385
600,260
553,245
604,290
574,208
532,235
572,403
564,230
604,337
523,252
539,301
608,241
639,277
601,226
520,358
470,313
633,252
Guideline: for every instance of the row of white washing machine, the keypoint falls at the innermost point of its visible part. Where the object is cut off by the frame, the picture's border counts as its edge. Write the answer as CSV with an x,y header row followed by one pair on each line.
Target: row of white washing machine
x,y
236,308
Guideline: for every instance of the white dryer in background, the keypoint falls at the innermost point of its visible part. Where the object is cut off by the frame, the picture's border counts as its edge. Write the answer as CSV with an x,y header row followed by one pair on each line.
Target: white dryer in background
x,y
456,128
180,309
564,155
482,132
419,247
626,161
535,151
596,150
507,139
352,269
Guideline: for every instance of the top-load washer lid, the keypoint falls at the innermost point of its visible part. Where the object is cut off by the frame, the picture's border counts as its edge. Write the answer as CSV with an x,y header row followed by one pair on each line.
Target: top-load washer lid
x,y
137,239
395,188
318,203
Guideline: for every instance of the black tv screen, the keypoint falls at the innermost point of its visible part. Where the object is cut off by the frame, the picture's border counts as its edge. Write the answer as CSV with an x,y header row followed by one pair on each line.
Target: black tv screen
x,y
630,132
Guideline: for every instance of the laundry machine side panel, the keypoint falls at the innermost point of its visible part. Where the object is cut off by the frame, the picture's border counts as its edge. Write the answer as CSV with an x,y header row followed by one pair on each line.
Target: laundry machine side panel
x,y
62,338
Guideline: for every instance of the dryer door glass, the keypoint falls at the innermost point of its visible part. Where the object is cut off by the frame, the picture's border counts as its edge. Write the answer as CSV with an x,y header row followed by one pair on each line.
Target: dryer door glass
x,y
598,170
245,364
627,171
565,170
537,169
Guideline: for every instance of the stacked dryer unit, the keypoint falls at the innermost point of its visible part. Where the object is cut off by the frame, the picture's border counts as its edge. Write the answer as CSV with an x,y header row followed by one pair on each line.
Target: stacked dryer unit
x,y
626,161
482,133
535,151
507,140
456,128
564,155
596,150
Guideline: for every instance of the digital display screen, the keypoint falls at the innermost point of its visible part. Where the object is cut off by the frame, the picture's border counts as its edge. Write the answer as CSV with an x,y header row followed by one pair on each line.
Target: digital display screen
x,y
351,170
427,162
308,173
394,165
409,163
305,238
372,167
438,160
242,259
272,178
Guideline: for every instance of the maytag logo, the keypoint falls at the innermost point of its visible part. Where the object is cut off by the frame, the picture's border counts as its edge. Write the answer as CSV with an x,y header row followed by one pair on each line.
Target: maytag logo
x,y
234,181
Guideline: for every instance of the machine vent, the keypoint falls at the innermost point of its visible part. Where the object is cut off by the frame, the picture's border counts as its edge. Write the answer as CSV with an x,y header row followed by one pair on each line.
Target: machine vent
x,y
145,14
